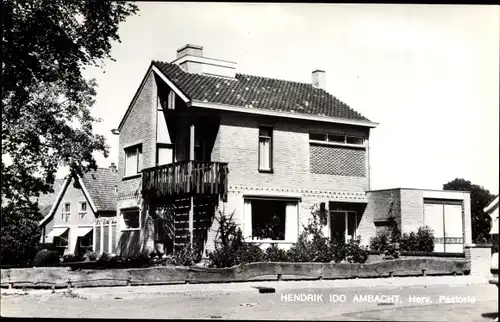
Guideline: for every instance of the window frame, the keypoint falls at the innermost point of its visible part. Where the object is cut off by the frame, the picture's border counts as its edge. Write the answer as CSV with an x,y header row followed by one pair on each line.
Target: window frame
x,y
89,236
327,141
67,213
271,146
82,213
285,200
58,239
159,146
138,150
122,219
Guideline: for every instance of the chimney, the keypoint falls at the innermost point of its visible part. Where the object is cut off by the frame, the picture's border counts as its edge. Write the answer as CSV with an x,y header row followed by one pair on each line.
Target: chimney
x,y
190,58
192,50
112,167
319,78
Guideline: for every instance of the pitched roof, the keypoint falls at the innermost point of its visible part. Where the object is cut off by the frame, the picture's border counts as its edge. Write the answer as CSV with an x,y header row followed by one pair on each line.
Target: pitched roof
x,y
45,201
101,186
259,93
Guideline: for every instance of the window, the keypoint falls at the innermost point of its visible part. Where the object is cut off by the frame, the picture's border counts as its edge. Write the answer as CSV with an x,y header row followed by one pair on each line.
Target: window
x,y
354,140
268,219
131,219
132,160
337,138
343,225
83,209
171,100
265,149
164,153
86,241
62,240
66,211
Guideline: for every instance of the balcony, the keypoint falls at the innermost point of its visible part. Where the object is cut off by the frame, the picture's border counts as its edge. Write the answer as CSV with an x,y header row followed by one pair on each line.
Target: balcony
x,y
188,178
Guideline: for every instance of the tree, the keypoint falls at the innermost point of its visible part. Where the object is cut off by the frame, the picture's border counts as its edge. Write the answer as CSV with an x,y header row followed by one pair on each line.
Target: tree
x,y
46,101
479,199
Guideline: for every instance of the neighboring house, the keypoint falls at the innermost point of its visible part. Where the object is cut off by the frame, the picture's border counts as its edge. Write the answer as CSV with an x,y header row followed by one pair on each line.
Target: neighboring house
x,y
199,138
447,213
70,213
492,211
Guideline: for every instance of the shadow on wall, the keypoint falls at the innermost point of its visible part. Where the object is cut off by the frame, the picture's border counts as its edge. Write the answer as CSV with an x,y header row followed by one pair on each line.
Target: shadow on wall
x,y
134,242
129,243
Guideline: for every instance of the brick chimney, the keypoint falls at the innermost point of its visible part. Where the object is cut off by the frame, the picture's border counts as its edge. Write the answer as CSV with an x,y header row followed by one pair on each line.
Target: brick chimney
x,y
112,167
319,78
190,58
192,50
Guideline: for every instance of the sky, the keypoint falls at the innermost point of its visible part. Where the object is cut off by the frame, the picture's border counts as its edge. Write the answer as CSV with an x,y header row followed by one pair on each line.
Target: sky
x,y
428,74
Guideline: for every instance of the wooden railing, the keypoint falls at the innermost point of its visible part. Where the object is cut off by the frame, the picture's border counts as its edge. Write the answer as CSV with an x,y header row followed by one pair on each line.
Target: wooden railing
x,y
185,178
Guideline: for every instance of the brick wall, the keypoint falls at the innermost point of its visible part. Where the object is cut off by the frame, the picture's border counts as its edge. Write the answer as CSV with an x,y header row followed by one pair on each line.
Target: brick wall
x,y
381,205
480,257
337,160
238,144
412,210
139,127
291,154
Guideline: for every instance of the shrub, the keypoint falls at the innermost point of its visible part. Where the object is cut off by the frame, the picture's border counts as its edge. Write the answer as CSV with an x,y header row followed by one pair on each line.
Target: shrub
x,y
184,256
90,256
140,260
380,242
392,242
105,257
46,257
230,246
275,254
354,252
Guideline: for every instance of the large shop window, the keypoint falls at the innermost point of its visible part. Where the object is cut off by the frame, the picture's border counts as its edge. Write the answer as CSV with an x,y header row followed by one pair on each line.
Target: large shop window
x,y
133,160
130,219
271,219
265,149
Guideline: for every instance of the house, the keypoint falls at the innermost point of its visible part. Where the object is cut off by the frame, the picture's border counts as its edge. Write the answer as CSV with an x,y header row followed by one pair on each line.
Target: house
x,y
447,213
80,214
492,211
199,138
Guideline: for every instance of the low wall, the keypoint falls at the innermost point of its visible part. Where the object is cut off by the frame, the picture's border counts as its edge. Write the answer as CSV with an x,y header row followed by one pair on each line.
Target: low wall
x,y
64,277
480,259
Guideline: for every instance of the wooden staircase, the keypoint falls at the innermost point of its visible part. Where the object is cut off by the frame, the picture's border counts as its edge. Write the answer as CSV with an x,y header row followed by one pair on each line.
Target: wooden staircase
x,y
204,207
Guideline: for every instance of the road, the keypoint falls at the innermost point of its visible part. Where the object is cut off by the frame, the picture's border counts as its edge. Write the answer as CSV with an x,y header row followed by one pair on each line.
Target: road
x,y
397,299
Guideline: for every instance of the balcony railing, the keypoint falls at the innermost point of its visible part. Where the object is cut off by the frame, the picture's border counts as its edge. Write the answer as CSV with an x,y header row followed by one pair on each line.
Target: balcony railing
x,y
185,178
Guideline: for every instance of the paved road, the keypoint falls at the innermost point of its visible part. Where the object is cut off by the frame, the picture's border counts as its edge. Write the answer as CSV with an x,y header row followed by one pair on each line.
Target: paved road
x,y
422,299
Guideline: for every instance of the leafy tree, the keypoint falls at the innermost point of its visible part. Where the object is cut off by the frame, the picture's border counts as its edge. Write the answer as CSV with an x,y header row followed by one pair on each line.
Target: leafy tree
x,y
46,101
479,198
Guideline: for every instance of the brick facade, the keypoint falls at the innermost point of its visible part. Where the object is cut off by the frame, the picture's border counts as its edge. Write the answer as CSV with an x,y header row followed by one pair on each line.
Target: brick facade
x,y
407,206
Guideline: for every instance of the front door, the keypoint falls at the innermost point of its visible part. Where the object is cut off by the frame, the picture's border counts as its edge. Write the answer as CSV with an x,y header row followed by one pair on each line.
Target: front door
x,y
343,225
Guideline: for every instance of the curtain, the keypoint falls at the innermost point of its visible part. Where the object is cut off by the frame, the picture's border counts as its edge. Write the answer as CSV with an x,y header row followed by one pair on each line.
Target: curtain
x,y
291,222
131,161
247,219
264,145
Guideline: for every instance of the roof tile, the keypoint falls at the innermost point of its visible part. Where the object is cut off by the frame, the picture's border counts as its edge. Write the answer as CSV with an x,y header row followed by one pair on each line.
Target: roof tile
x,y
259,92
